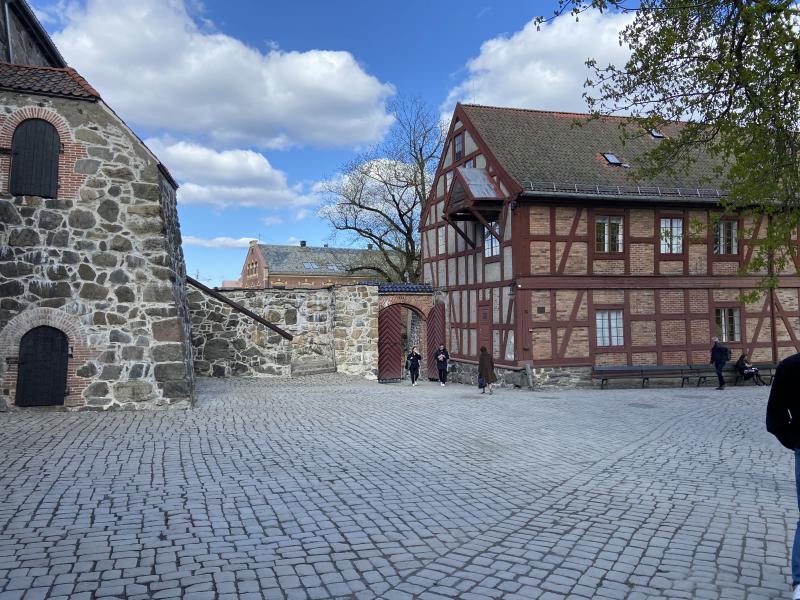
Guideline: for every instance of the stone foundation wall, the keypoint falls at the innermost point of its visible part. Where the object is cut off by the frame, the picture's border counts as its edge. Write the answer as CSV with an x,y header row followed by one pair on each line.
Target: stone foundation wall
x,y
537,378
105,253
334,329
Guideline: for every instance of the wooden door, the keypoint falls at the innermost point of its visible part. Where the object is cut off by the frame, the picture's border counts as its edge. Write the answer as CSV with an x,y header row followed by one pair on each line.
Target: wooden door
x,y
42,375
35,148
390,343
435,325
485,325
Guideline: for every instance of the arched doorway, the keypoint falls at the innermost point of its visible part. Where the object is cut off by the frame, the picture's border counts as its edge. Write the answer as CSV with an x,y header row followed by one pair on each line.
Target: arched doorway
x,y
42,371
400,327
435,337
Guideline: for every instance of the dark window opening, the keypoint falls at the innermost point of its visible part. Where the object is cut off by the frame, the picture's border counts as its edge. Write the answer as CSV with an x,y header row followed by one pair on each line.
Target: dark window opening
x,y
35,148
459,146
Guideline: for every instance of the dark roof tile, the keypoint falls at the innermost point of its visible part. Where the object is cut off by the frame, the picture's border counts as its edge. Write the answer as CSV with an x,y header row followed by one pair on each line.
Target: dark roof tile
x,y
47,81
295,260
542,147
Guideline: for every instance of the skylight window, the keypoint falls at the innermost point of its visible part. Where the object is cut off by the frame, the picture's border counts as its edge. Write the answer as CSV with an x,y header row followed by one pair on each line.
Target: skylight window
x,y
657,134
612,158
332,267
310,265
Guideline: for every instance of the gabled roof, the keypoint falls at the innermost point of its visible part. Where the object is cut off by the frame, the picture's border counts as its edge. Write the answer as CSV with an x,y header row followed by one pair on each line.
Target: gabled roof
x,y
47,81
563,152
302,260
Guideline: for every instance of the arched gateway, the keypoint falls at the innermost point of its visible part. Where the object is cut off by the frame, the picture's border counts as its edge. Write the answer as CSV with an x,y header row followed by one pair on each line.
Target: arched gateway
x,y
402,323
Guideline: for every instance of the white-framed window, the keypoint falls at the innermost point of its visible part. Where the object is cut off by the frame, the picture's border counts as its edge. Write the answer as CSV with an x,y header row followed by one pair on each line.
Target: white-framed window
x,y
672,236
458,147
491,246
728,324
608,235
726,237
609,328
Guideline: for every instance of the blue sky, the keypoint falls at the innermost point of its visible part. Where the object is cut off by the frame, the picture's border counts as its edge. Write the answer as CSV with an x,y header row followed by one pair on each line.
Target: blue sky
x,y
252,104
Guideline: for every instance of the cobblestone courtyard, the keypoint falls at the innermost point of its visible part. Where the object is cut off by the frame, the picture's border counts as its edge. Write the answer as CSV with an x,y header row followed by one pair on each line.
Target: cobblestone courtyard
x,y
327,487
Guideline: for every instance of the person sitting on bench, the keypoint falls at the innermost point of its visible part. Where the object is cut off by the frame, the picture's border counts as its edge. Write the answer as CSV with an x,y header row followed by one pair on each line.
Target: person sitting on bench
x,y
748,371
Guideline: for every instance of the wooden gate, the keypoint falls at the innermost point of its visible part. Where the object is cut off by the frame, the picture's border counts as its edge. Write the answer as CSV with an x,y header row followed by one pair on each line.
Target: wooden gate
x,y
390,345
435,337
42,374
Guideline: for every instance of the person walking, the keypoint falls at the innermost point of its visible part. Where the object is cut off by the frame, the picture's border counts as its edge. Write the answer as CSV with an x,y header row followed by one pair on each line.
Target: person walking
x,y
782,406
412,362
442,356
719,356
748,371
486,375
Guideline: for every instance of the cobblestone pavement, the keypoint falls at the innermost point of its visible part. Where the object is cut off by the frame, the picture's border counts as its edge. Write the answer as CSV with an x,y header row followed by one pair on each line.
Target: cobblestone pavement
x,y
329,487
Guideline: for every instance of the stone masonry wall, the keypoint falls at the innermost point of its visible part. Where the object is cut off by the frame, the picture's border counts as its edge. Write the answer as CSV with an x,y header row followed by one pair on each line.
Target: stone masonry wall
x,y
334,329
105,254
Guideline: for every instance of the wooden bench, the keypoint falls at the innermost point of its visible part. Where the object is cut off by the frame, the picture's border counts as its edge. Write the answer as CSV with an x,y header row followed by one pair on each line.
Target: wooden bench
x,y
685,372
645,372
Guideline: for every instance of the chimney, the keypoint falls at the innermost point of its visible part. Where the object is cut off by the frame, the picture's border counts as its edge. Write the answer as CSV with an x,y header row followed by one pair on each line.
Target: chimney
x,y
325,246
369,246
302,243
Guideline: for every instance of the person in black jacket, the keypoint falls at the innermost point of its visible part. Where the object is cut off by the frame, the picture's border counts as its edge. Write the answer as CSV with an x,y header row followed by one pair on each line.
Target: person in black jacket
x,y
748,371
413,361
782,406
442,356
719,356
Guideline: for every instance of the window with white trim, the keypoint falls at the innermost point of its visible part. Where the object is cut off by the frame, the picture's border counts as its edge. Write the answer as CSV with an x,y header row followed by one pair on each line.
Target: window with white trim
x,y
672,236
608,235
491,246
726,237
458,147
728,324
442,241
609,328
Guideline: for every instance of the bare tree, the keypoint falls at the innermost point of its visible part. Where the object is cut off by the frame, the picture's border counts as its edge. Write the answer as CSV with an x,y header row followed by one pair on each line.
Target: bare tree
x,y
379,196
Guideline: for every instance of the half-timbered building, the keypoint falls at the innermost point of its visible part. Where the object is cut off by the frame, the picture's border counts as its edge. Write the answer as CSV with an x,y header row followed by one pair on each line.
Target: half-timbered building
x,y
555,252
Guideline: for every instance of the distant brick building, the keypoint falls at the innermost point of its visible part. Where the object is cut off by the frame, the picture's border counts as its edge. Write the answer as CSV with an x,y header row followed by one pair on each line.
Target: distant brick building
x,y
303,266
552,257
93,308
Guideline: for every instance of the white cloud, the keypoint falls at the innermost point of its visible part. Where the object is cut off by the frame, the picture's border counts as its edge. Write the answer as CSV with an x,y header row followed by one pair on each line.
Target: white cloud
x,y
542,69
159,69
217,242
272,220
228,178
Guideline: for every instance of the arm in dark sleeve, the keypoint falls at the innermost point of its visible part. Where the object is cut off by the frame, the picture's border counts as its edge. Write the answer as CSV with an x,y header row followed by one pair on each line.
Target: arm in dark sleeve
x,y
779,419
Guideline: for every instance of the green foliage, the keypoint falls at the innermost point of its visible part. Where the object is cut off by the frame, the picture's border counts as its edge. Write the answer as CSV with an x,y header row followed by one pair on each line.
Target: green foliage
x,y
730,69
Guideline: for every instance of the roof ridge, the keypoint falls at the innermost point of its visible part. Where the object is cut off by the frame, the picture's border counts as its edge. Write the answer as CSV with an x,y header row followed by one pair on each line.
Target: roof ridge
x,y
542,111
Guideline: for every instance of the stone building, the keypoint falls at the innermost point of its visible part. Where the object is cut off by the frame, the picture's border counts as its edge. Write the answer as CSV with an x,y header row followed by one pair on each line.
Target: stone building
x,y
556,254
93,308
304,266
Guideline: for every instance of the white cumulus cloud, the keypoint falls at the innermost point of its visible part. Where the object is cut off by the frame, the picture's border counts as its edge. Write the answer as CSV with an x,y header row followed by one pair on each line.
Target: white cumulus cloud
x,y
543,69
160,69
228,177
217,242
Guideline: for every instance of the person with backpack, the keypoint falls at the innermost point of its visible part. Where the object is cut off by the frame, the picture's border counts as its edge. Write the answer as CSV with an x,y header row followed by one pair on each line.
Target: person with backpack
x,y
412,364
719,356
442,357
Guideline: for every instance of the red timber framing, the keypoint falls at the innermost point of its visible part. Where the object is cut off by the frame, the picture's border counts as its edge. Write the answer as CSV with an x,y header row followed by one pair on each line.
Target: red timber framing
x,y
548,280
453,249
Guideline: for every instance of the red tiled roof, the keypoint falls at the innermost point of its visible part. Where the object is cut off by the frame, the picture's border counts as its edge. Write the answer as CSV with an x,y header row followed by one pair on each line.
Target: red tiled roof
x,y
47,81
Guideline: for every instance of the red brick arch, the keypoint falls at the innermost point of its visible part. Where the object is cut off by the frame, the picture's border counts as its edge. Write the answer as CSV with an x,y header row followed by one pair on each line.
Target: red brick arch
x,y
10,338
69,181
421,304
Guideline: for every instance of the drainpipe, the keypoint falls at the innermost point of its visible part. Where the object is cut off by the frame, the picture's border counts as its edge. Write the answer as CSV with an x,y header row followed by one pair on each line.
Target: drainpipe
x,y
7,14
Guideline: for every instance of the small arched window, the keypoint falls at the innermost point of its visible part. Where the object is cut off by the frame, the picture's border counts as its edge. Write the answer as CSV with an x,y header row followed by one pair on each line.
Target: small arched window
x,y
34,159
